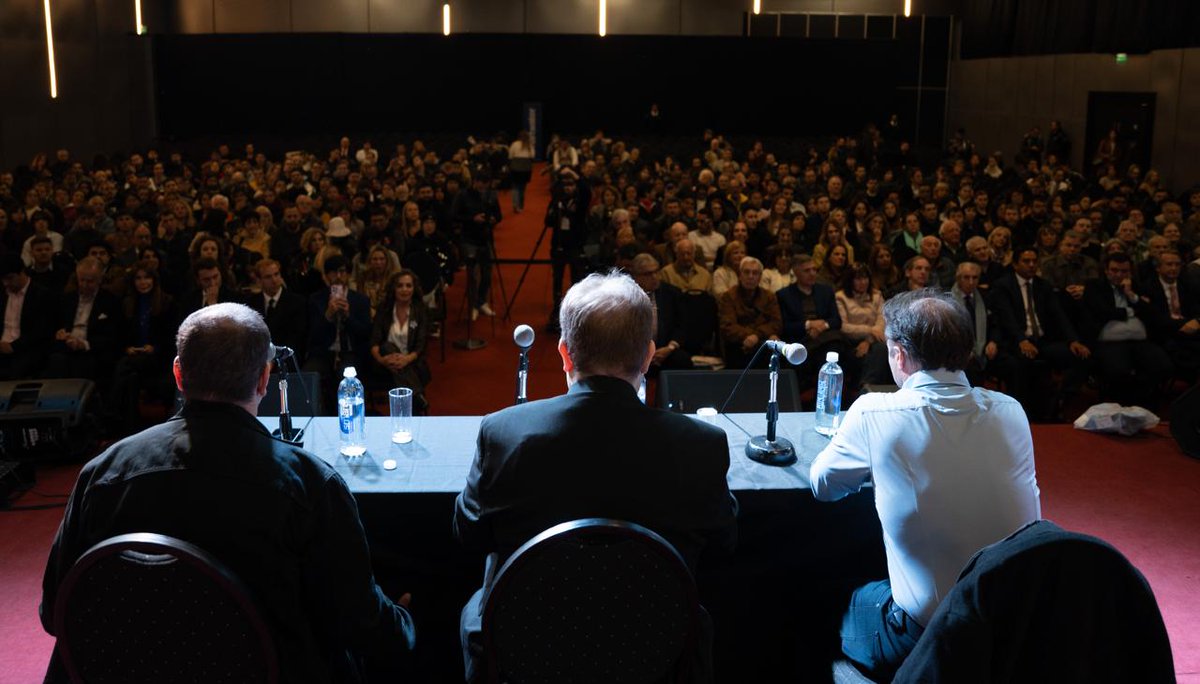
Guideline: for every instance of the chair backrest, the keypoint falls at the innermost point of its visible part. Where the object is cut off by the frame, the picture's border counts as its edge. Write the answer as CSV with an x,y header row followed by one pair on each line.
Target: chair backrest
x,y
150,608
593,600
1049,605
689,390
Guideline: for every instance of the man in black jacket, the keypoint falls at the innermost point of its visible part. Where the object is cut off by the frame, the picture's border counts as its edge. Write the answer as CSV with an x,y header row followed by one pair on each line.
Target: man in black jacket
x,y
283,310
85,345
279,517
476,212
572,456
1037,336
28,321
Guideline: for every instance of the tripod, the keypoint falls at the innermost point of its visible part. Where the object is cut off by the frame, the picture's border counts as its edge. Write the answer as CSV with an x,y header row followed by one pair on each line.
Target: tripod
x,y
470,296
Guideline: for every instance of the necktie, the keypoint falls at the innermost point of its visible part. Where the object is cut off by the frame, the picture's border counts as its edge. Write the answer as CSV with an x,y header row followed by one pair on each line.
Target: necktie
x,y
1173,301
270,307
969,300
1030,310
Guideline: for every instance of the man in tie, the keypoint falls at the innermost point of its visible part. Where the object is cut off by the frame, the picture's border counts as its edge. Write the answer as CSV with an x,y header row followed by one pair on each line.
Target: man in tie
x,y
85,345
28,330
1130,365
282,309
1175,318
984,353
1038,336
669,330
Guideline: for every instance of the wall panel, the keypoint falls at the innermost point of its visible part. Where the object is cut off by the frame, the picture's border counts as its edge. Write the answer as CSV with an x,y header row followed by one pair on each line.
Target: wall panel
x,y
412,16
261,16
330,16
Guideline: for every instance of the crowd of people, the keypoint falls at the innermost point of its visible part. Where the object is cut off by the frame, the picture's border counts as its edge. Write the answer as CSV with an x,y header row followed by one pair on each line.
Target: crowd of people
x,y
345,253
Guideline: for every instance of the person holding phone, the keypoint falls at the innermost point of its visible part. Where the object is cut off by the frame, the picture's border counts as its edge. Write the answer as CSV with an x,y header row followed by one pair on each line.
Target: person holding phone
x,y
339,323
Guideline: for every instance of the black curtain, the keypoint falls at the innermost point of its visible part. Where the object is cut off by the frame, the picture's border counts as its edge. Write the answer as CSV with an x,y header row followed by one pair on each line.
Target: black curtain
x,y
1003,28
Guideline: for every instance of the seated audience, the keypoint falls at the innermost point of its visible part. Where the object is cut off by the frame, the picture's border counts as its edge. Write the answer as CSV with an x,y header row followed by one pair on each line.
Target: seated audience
x,y
399,336
985,354
339,326
28,321
85,345
748,315
860,308
669,323
146,347
285,312
726,275
684,273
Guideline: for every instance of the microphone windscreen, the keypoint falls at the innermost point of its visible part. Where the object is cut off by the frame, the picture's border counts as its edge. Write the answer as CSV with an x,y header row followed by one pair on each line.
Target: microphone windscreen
x,y
523,336
795,353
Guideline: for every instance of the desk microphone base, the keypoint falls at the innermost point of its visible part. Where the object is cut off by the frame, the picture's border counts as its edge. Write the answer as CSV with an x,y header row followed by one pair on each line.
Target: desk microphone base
x,y
777,453
297,438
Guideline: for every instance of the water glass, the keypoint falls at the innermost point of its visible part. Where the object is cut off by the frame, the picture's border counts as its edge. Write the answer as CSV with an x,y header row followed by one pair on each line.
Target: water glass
x,y
400,402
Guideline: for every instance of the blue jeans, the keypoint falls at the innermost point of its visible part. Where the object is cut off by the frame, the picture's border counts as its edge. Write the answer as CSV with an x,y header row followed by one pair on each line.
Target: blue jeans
x,y
876,633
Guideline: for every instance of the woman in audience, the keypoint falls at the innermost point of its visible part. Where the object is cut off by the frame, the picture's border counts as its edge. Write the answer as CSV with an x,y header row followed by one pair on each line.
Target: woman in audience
x,y
209,246
310,267
832,235
884,273
835,266
147,346
1000,240
893,217
399,335
779,275
726,275
373,280
1047,244
860,305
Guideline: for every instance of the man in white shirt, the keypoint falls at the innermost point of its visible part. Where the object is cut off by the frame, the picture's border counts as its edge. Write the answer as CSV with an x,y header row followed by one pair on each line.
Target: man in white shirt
x,y
952,468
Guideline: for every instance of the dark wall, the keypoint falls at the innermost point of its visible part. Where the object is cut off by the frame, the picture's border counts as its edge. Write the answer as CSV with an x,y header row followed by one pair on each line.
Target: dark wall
x,y
1001,28
104,102
367,84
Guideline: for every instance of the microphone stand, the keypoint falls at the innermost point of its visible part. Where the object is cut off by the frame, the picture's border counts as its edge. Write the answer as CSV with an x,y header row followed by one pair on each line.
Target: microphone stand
x,y
769,449
285,432
522,375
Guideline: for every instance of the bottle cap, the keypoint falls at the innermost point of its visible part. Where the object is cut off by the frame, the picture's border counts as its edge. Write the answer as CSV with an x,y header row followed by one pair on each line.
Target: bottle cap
x,y
351,373
830,357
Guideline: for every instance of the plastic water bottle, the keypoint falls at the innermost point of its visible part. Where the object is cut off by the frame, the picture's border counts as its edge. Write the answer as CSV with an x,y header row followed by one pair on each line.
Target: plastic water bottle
x,y
351,419
829,396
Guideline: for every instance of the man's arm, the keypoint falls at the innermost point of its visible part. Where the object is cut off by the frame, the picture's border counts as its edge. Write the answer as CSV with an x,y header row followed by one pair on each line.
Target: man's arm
x,y
470,528
844,466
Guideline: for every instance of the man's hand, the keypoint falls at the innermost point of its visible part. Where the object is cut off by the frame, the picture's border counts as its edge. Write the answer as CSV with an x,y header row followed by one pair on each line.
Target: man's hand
x,y
6,348
337,306
1127,288
989,350
1028,349
1076,291
210,296
76,344
749,343
816,326
1079,350
1191,327
61,335
660,355
862,348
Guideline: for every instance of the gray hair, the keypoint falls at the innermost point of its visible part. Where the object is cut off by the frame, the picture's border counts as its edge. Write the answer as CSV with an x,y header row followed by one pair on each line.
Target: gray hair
x,y
607,323
932,327
223,349
644,259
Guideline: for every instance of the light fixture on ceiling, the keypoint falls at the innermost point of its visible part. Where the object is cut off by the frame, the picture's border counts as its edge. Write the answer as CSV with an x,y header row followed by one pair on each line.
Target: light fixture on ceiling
x,y
908,8
50,51
446,19
603,18
758,6
138,26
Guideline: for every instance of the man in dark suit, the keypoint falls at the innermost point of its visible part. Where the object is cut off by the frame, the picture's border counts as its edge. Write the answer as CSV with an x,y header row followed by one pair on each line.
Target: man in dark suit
x,y
284,311
28,321
985,355
1131,366
810,316
209,288
339,325
572,456
1038,337
669,330
1175,314
85,345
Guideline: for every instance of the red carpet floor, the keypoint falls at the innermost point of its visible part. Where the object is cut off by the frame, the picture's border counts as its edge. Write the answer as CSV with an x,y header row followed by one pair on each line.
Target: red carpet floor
x,y
1140,494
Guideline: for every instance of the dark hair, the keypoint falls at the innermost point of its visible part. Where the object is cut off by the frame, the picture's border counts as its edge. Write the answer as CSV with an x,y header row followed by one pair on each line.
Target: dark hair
x,y
40,240
932,327
389,299
860,270
1119,257
205,264
223,349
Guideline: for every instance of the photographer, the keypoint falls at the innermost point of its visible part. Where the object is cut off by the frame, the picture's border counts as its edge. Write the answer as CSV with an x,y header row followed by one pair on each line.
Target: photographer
x,y
566,218
476,212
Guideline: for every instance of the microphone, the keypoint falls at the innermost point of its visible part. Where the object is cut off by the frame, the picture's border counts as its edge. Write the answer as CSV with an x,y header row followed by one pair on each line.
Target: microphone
x,y
523,337
795,353
286,431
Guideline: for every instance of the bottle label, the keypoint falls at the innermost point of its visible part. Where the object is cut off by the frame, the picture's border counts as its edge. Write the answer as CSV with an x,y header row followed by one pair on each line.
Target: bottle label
x,y
345,416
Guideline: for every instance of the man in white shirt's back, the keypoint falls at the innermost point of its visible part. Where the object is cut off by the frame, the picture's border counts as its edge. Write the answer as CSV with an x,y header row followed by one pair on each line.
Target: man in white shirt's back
x,y
952,468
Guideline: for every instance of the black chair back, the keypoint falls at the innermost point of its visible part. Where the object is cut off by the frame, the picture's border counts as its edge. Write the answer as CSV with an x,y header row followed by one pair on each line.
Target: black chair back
x,y
689,390
150,608
591,600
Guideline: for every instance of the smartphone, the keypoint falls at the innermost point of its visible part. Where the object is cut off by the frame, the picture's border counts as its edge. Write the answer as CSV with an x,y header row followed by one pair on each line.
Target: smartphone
x,y
337,291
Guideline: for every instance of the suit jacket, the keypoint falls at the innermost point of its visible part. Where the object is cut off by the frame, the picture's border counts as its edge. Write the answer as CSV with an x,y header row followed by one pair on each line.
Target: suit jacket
x,y
37,319
1099,308
596,451
1009,304
356,327
791,308
288,321
103,326
1160,325
669,324
985,330
191,302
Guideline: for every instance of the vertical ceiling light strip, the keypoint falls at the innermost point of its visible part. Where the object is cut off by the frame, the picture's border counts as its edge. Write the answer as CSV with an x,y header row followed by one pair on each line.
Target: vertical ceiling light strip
x,y
138,27
603,18
50,51
446,19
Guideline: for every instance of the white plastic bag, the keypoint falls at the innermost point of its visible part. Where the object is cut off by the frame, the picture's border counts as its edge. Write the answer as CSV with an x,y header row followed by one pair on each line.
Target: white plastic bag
x,y
1124,420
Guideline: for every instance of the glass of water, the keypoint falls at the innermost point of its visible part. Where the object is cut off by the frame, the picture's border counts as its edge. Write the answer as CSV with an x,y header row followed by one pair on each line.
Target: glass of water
x,y
400,402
